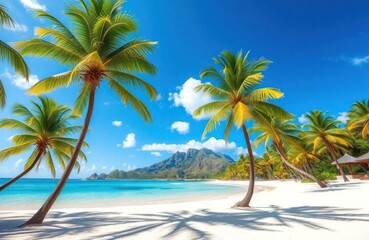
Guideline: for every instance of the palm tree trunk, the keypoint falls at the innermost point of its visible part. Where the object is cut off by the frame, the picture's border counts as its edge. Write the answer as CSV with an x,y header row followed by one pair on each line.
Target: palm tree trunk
x,y
284,159
309,166
290,172
39,217
345,179
38,157
332,152
246,201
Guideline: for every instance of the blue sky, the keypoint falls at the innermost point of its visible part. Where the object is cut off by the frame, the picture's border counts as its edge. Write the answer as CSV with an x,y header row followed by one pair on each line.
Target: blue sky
x,y
320,55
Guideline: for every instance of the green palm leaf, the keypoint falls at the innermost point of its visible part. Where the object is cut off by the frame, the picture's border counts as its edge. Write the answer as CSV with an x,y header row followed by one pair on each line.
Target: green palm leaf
x,y
216,118
2,96
50,83
7,53
5,19
132,80
128,98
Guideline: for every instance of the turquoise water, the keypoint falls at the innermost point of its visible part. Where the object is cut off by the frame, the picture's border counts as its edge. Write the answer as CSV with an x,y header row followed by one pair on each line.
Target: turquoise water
x,y
33,192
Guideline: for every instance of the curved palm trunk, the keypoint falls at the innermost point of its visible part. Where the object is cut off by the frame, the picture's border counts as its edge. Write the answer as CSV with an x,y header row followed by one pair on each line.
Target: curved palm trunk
x,y
332,152
39,217
38,157
250,191
302,172
290,172
345,179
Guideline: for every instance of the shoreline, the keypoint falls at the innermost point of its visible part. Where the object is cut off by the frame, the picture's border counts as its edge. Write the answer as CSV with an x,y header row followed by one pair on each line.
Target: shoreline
x,y
260,186
154,200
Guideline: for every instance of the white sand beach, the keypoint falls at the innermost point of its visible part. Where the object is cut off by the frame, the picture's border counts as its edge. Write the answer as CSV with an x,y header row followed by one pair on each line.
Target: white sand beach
x,y
284,210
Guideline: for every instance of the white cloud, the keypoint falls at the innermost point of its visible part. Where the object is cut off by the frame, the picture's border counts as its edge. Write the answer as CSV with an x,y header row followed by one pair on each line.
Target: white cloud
x,y
302,119
33,4
20,81
127,167
130,141
104,167
244,151
117,123
18,162
358,61
17,28
88,170
213,144
189,99
180,127
156,154
343,117
240,150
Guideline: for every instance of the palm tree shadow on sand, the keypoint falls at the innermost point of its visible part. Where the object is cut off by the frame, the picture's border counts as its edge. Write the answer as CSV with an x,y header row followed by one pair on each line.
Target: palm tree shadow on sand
x,y
171,224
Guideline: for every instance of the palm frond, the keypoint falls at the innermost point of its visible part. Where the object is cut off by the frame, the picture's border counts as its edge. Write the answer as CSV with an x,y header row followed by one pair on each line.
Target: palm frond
x,y
211,90
50,83
129,98
14,150
241,112
273,110
10,55
50,163
248,82
2,95
263,94
5,19
210,108
82,100
216,119
16,125
60,27
132,80
43,48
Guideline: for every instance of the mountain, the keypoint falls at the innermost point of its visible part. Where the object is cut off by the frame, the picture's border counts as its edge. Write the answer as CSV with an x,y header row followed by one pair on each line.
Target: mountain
x,y
193,164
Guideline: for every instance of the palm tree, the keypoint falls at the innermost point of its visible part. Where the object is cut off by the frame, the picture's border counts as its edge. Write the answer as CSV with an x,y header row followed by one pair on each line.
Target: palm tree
x,y
278,168
231,171
326,135
10,55
243,166
44,129
359,117
238,100
98,48
280,133
302,156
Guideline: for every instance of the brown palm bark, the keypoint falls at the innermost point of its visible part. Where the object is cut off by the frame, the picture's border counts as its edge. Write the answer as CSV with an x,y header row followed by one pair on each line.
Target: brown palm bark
x,y
39,217
245,202
38,157
334,157
302,172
